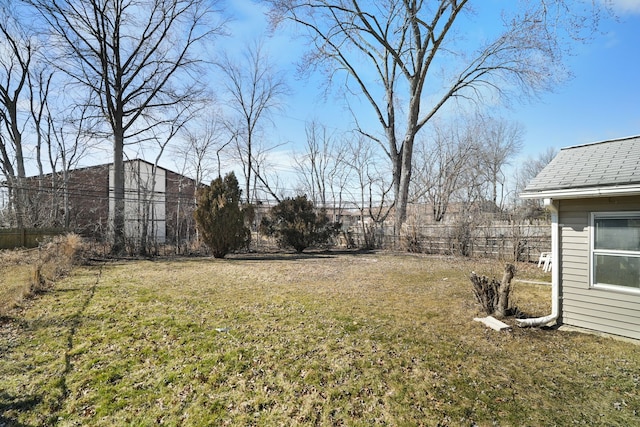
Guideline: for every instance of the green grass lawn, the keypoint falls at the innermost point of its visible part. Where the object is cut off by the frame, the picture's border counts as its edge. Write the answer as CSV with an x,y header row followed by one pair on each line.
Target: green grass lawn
x,y
324,339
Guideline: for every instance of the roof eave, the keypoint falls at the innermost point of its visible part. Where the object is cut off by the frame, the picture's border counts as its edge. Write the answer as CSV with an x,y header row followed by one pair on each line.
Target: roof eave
x,y
583,193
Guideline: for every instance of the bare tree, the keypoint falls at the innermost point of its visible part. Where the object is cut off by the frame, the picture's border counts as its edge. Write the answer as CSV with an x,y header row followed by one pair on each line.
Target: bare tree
x,y
136,61
322,171
267,183
202,144
206,136
371,190
24,87
69,143
313,166
533,165
527,170
443,166
419,64
254,88
500,141
151,204
340,176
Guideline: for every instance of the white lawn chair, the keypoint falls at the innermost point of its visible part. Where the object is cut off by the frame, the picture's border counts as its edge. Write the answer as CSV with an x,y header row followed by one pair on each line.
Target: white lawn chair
x,y
545,261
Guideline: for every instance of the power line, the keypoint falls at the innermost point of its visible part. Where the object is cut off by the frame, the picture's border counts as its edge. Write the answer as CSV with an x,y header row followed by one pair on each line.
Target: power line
x,y
106,193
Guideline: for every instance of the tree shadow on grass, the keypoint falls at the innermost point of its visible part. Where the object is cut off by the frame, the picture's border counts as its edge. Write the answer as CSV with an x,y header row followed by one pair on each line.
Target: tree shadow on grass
x,y
10,404
295,256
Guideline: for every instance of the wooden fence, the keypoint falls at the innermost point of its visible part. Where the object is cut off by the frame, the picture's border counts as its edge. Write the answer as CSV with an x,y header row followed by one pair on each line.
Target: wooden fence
x,y
522,242
11,238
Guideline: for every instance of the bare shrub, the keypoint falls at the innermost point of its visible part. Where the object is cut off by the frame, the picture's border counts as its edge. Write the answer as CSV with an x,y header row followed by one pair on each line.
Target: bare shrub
x,y
492,294
30,272
411,240
56,257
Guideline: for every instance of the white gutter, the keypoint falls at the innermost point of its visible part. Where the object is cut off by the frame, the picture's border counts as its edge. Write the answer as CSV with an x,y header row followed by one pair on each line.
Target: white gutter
x,y
555,272
574,193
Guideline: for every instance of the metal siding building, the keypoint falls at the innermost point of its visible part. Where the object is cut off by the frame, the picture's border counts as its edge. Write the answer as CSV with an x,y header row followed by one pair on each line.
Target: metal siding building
x,y
165,200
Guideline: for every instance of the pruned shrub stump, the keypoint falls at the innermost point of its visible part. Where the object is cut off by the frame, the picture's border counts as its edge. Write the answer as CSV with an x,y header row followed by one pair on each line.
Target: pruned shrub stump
x,y
492,294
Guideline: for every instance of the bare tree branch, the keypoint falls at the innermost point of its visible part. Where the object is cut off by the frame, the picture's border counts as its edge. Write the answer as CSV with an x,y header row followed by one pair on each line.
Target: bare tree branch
x,y
255,88
135,58
403,43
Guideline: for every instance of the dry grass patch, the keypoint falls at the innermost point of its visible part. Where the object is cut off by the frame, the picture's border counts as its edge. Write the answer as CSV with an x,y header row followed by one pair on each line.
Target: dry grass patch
x,y
24,273
14,286
303,340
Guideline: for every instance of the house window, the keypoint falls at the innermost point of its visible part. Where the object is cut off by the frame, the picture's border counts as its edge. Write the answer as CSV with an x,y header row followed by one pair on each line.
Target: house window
x,y
615,250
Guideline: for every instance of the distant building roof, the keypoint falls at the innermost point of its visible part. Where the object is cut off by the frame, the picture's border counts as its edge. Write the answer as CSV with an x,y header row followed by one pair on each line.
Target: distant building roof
x,y
600,169
107,165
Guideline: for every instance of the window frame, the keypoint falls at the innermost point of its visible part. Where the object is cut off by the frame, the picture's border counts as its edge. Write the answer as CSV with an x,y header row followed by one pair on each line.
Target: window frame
x,y
593,252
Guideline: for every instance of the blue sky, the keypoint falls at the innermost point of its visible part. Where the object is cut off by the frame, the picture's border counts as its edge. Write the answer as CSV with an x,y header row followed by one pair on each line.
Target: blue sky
x,y
600,102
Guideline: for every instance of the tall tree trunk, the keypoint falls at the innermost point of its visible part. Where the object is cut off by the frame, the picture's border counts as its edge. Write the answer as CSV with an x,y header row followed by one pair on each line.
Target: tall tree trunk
x,y
404,176
249,163
21,194
118,195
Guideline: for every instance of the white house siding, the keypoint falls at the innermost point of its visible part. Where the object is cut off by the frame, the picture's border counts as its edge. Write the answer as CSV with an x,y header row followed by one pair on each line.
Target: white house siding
x,y
602,310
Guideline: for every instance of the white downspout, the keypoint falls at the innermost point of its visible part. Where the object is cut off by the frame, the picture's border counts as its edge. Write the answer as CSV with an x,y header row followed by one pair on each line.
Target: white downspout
x,y
555,272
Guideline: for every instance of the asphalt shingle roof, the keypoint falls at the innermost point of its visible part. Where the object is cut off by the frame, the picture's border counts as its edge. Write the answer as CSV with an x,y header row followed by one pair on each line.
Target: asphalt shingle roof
x,y
608,163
